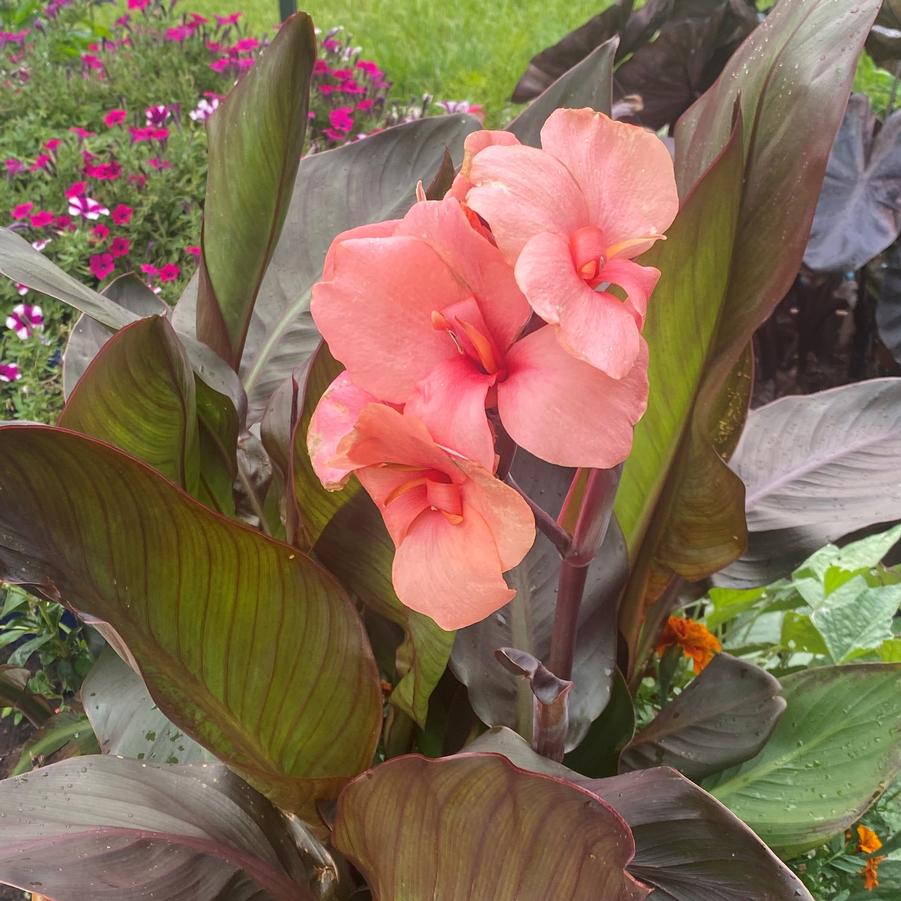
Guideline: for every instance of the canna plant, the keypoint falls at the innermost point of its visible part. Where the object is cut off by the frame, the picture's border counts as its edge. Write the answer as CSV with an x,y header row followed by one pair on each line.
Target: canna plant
x,y
384,521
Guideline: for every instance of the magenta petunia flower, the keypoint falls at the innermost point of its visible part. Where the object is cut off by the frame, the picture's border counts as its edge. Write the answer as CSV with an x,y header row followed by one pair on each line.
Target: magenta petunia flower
x,y
9,372
103,171
21,289
331,45
156,115
122,214
42,162
159,164
13,166
76,189
245,45
119,246
149,269
82,133
170,272
365,105
25,320
137,178
100,232
41,219
341,118
246,62
228,20
221,65
349,86
87,208
92,62
321,67
370,68
114,117
138,4
51,144
64,222
193,250
22,210
101,265
197,19
41,243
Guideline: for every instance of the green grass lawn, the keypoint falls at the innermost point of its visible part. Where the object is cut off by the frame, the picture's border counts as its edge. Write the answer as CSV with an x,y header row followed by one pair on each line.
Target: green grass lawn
x,y
464,50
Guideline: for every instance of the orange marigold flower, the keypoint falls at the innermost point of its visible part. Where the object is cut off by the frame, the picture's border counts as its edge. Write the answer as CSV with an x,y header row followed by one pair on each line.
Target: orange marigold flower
x,y
694,638
870,873
867,840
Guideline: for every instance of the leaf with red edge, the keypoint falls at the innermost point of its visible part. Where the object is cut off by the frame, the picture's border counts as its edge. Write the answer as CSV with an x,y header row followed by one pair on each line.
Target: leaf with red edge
x,y
108,828
245,643
475,827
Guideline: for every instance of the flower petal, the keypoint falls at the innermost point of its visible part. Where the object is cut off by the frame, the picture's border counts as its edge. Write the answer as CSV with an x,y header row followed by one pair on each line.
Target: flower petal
x,y
375,312
334,418
521,192
384,484
597,328
450,572
476,142
474,261
638,282
565,411
625,173
373,230
450,400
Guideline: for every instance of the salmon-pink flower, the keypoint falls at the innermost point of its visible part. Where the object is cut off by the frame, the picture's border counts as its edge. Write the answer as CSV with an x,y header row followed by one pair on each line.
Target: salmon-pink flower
x,y
25,319
456,528
571,217
426,312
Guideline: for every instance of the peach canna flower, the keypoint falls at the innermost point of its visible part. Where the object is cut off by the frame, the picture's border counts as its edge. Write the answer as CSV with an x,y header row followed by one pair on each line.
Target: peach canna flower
x,y
571,217
456,528
425,312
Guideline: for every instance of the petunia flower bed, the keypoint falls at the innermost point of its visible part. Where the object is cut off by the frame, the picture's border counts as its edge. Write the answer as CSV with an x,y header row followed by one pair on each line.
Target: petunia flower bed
x,y
390,525
103,147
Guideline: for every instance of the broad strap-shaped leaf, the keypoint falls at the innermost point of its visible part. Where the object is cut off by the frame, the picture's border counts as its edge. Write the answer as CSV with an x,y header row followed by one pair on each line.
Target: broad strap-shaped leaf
x,y
789,80
127,721
246,644
590,83
138,394
356,548
419,828
688,846
356,184
14,692
816,468
832,754
859,211
106,828
500,698
88,335
723,717
255,143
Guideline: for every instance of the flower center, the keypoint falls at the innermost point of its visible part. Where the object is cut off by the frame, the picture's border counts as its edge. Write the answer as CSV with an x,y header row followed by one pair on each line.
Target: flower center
x,y
590,252
466,327
434,491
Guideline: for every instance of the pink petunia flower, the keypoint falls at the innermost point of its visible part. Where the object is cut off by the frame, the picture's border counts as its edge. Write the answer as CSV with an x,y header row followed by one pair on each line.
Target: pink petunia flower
x,y
370,68
92,62
43,162
179,33
193,250
170,272
246,44
571,217
349,86
159,164
122,214
101,265
197,19
156,115
245,62
149,269
321,67
13,166
82,133
87,208
326,88
205,109
138,4
331,45
9,372
119,246
21,289
228,20
139,179
114,117
334,135
25,320
124,21
40,244
456,528
100,232
103,171
452,349
64,223
220,65
341,118
22,210
76,189
41,219
51,144
365,105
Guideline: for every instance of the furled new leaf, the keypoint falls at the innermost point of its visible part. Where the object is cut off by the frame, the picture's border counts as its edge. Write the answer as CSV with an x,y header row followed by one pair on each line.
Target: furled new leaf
x,y
816,468
834,751
246,644
106,828
558,840
127,721
255,142
725,716
859,211
138,394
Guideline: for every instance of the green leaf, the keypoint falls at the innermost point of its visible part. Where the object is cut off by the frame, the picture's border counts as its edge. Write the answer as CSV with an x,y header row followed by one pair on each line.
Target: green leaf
x,y
680,508
798,633
14,693
106,828
833,753
589,83
244,643
138,394
65,734
356,547
255,142
367,181
419,828
126,720
724,716
729,603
